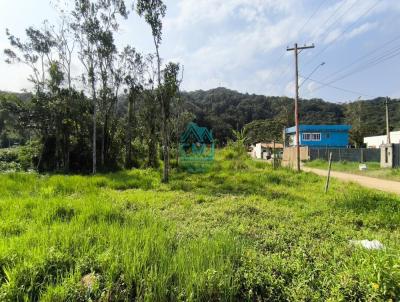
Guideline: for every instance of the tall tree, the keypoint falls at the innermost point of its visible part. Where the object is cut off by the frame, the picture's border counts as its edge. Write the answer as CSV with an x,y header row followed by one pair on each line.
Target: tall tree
x,y
35,53
132,71
153,12
94,24
169,91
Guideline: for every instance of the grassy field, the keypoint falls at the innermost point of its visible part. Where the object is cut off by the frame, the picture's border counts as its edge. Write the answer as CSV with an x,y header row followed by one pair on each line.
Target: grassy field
x,y
241,232
373,169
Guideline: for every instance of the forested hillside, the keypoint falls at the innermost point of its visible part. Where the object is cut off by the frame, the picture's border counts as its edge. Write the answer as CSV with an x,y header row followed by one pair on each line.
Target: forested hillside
x,y
223,110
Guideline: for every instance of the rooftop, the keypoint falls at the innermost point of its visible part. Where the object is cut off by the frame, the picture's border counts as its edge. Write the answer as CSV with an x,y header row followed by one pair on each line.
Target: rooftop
x,y
321,128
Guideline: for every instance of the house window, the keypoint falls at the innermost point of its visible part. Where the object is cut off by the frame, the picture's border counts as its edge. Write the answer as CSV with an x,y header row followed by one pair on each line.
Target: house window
x,y
311,137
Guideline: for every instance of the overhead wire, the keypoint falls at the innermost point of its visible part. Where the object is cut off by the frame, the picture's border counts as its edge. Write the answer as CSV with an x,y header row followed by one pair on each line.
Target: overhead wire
x,y
323,24
330,17
389,55
312,72
298,33
362,57
343,32
339,88
312,16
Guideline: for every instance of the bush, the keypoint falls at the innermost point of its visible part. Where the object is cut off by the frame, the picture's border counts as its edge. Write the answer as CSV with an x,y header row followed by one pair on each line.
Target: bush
x,y
19,158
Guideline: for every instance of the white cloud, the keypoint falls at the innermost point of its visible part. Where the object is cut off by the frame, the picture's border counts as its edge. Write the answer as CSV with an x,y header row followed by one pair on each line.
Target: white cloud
x,y
360,30
192,12
241,43
239,39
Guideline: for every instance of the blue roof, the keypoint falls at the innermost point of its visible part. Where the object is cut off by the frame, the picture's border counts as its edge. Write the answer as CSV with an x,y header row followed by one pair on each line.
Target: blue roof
x,y
319,128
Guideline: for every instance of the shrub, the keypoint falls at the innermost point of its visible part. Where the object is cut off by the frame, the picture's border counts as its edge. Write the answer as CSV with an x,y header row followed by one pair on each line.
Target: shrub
x,y
19,158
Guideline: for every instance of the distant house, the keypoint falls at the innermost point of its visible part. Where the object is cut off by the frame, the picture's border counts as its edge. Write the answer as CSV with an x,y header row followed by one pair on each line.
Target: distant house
x,y
264,150
319,136
376,141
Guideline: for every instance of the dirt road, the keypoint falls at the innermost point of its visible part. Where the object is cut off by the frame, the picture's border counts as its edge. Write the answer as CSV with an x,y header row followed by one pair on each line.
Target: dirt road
x,y
369,182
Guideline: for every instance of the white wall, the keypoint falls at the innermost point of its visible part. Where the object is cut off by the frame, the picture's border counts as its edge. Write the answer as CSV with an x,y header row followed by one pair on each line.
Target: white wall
x,y
376,141
258,151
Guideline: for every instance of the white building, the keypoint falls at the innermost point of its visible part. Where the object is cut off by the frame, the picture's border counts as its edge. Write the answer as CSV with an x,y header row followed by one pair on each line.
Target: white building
x,y
264,150
376,141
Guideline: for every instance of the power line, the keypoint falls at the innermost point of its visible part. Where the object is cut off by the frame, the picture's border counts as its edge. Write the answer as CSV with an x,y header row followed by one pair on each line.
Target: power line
x,y
362,57
327,20
340,17
345,31
321,26
312,15
337,19
297,34
312,72
370,64
337,88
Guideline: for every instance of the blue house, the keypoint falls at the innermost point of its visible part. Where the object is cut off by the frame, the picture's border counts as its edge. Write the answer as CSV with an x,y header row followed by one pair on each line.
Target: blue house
x,y
319,136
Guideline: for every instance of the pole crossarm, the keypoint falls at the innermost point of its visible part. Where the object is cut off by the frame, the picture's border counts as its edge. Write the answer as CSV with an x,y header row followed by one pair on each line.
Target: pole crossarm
x,y
300,47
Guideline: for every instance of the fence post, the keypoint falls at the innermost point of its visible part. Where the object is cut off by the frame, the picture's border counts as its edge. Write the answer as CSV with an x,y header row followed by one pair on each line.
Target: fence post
x,y
273,156
329,173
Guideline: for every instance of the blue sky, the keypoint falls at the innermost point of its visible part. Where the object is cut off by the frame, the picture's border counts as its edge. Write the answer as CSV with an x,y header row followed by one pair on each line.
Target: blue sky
x,y
241,44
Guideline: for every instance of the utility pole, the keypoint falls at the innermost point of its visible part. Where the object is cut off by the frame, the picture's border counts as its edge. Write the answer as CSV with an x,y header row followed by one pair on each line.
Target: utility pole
x,y
387,121
296,49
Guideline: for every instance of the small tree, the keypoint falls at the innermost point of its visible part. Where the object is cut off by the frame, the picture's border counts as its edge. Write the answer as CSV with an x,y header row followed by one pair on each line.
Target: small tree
x,y
169,91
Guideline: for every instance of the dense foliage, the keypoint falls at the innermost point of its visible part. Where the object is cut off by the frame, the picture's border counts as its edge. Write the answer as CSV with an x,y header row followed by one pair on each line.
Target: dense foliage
x,y
239,233
128,100
223,110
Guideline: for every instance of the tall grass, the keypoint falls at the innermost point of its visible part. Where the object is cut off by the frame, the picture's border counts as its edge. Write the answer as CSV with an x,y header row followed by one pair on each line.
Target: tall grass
x,y
240,232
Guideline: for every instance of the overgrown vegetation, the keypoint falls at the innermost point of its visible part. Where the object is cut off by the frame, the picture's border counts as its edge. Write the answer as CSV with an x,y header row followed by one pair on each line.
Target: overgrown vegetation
x,y
373,169
241,234
126,99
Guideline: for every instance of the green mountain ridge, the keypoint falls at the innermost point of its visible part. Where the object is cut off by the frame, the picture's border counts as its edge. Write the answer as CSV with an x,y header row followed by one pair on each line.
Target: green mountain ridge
x,y
224,110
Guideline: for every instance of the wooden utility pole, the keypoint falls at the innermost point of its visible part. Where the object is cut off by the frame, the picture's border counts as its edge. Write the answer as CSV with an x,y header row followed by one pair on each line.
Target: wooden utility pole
x,y
387,121
296,49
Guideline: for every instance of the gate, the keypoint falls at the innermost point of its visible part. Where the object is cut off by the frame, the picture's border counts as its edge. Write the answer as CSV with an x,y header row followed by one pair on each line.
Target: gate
x,y
396,155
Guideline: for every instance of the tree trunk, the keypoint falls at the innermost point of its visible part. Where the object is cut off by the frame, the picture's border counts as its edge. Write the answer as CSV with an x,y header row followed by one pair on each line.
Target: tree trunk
x,y
152,152
165,143
57,151
94,127
103,142
177,153
41,154
164,127
128,158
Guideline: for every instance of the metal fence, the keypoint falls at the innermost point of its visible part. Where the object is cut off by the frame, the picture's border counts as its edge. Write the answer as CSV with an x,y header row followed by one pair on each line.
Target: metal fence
x,y
352,155
396,155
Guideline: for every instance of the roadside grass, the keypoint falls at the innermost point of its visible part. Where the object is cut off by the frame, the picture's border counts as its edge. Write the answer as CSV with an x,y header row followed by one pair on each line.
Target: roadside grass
x,y
240,232
373,169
